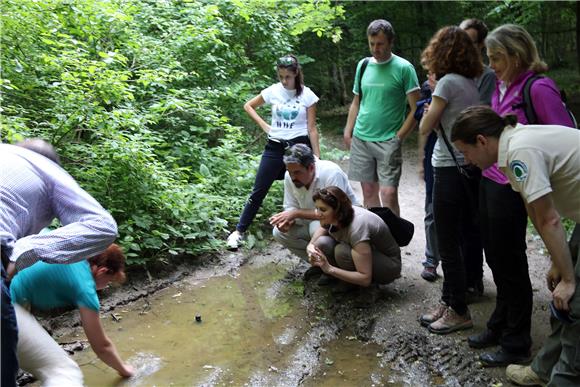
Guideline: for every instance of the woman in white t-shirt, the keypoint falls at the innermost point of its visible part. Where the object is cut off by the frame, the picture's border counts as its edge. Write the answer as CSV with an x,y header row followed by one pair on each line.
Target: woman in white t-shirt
x,y
293,121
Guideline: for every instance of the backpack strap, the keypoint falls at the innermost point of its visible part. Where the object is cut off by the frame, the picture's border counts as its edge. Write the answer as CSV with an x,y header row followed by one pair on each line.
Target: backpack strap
x,y
363,67
527,103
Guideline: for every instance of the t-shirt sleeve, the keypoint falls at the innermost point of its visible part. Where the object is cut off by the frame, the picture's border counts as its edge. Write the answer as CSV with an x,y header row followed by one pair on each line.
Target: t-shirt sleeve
x,y
89,299
267,93
528,174
360,230
443,89
355,88
309,97
548,104
410,79
486,87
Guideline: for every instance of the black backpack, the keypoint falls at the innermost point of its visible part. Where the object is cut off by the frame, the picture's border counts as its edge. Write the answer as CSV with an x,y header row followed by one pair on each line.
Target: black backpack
x,y
363,67
528,105
401,229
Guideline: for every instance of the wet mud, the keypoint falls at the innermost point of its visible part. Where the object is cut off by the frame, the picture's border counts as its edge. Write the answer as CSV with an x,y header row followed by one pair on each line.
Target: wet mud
x,y
262,324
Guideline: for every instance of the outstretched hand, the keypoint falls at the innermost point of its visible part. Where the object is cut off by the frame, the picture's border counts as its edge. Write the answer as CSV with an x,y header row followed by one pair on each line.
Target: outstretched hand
x,y
283,220
127,371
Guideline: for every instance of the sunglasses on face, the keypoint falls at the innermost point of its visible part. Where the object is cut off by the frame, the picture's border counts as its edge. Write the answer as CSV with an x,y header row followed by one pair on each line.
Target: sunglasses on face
x,y
287,61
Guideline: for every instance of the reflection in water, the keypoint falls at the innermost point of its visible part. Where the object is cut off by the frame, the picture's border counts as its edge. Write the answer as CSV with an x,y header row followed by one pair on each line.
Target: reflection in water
x,y
254,331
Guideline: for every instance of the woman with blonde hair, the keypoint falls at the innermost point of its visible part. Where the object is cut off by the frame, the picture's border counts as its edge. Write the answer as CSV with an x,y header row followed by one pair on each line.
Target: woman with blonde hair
x,y
514,58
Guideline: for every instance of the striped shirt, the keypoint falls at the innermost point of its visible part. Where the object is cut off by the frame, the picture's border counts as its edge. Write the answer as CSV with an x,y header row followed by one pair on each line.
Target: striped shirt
x,y
33,191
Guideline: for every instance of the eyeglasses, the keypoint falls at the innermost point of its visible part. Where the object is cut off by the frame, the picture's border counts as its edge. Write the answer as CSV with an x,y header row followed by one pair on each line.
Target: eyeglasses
x,y
287,61
326,194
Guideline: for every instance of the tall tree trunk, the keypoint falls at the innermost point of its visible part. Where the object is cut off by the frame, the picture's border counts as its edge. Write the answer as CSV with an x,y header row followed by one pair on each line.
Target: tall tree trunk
x,y
338,65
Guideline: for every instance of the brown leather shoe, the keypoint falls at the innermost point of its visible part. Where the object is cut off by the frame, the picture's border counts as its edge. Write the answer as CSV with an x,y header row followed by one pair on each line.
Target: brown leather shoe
x,y
451,321
433,315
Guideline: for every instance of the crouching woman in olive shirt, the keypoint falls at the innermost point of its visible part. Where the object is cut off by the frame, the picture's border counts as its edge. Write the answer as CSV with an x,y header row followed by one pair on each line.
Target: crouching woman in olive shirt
x,y
353,244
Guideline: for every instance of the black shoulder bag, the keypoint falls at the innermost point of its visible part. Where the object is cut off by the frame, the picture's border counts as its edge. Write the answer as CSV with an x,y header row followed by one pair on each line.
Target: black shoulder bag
x,y
401,229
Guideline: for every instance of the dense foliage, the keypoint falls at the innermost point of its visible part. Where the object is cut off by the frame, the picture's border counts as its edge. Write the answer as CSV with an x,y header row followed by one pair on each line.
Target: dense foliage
x,y
143,99
143,102
553,25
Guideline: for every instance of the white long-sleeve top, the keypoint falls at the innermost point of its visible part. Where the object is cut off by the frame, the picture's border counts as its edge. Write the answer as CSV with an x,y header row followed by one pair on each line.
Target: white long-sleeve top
x,y
33,191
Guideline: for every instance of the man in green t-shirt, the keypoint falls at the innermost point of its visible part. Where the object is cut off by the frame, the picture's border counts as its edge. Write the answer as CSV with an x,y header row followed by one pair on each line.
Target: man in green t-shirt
x,y
377,123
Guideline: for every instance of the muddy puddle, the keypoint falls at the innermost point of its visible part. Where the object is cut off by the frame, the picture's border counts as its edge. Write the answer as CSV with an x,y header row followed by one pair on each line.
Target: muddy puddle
x,y
256,329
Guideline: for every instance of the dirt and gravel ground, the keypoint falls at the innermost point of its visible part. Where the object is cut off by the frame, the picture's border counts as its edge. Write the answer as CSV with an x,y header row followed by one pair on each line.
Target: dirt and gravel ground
x,y
386,316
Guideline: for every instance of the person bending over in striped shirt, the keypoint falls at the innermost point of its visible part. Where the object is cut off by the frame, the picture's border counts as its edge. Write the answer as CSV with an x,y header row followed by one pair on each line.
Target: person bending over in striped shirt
x,y
34,190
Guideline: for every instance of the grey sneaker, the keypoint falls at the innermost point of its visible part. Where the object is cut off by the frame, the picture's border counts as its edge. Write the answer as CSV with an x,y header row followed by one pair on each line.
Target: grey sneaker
x,y
451,321
523,376
433,315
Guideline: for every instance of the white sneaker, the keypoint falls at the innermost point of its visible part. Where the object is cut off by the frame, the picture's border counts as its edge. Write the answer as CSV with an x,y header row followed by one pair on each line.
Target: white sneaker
x,y
235,240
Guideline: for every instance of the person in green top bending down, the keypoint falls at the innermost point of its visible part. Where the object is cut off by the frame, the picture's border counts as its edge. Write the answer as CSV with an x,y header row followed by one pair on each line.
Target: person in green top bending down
x,y
377,122
45,286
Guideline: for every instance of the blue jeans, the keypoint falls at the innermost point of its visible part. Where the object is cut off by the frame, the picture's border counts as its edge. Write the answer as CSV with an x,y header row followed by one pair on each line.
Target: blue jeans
x,y
271,168
9,337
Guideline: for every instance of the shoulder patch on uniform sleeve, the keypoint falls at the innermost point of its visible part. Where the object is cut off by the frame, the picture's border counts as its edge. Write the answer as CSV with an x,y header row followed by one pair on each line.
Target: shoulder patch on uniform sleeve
x,y
519,169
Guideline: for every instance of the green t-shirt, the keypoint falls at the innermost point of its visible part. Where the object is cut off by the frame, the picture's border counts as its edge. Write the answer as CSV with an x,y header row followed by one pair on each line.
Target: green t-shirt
x,y
385,87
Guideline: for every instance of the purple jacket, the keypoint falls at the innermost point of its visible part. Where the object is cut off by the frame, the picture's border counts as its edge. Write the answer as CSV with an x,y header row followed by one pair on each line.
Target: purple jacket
x,y
547,103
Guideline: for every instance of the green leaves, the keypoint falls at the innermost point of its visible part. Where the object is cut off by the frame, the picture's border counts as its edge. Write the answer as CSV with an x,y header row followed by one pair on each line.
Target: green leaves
x,y
143,101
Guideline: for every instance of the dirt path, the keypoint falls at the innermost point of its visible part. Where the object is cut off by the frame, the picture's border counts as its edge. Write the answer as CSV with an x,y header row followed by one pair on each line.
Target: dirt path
x,y
384,317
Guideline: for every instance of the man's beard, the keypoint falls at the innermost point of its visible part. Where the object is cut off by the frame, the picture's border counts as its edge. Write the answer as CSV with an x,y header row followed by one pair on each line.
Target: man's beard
x,y
297,184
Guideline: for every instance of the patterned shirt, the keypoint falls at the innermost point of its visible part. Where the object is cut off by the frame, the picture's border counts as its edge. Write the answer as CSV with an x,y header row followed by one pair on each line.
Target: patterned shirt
x,y
33,191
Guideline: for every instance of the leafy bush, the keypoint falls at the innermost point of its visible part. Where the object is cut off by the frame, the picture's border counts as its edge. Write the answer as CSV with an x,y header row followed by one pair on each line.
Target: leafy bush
x,y
143,100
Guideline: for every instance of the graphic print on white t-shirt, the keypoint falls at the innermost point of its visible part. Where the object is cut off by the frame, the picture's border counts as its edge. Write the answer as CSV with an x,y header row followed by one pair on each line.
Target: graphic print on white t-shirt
x,y
285,113
289,112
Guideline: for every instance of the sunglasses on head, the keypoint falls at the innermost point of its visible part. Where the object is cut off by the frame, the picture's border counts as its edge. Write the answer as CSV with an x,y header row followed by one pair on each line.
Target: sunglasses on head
x,y
287,61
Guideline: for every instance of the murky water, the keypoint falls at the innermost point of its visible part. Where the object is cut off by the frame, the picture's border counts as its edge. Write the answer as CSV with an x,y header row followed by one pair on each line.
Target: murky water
x,y
254,330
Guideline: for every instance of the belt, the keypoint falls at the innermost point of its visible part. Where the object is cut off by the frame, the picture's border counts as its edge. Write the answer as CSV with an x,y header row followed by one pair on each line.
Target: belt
x,y
287,143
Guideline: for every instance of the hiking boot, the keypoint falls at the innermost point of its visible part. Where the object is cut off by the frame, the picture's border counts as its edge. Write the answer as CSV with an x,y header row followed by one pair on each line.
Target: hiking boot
x,y
503,358
235,240
451,321
523,376
484,339
429,274
433,315
313,271
326,280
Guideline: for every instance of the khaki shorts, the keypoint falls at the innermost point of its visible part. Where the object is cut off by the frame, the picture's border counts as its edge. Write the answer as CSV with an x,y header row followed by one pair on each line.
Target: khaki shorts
x,y
376,161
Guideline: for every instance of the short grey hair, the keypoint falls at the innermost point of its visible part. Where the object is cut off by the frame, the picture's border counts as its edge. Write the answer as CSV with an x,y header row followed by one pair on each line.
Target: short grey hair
x,y
41,147
381,25
299,154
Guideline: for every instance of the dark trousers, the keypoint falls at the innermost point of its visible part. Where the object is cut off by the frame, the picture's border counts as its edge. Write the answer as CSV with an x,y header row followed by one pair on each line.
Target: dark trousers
x,y
271,168
455,201
503,228
9,329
